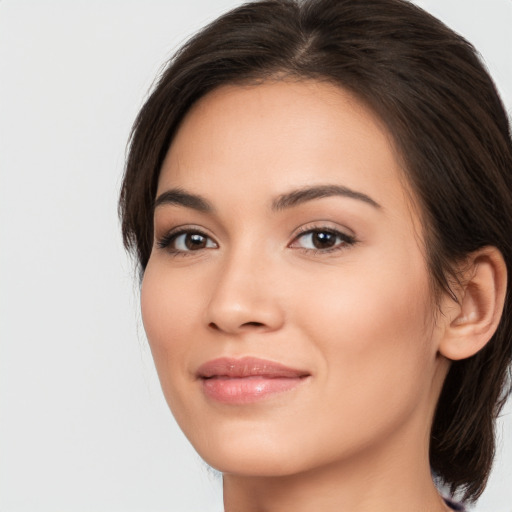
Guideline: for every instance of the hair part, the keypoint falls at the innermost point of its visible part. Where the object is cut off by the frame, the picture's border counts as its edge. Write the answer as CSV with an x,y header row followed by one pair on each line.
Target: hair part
x,y
428,86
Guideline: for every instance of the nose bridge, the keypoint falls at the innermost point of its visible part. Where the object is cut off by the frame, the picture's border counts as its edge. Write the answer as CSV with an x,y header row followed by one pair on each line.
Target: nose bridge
x,y
244,294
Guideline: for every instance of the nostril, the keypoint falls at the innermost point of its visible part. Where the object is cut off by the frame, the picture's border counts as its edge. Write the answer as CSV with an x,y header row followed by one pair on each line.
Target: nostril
x,y
214,326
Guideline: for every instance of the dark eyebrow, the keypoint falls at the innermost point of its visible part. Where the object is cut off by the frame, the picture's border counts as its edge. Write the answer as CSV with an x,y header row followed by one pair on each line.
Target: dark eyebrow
x,y
179,197
302,195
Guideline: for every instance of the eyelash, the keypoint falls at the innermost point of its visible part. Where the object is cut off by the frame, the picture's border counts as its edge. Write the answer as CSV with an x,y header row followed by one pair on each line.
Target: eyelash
x,y
346,240
165,241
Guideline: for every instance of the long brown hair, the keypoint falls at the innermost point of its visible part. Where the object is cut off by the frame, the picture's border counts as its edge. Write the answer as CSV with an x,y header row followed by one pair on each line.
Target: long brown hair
x,y
431,90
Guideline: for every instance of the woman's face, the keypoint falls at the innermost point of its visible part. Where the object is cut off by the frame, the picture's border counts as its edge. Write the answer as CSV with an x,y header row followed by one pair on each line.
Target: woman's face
x,y
286,299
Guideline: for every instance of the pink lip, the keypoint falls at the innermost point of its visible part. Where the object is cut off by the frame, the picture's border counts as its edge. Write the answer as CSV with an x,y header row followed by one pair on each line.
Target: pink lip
x,y
246,380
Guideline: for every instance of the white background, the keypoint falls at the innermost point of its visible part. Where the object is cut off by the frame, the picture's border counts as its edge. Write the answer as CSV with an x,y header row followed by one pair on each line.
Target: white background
x,y
83,425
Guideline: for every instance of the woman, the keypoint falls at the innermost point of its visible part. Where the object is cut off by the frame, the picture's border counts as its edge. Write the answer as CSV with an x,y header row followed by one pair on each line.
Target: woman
x,y
319,194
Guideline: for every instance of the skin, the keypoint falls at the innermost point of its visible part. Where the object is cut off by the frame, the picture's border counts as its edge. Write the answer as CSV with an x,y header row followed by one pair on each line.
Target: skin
x,y
360,319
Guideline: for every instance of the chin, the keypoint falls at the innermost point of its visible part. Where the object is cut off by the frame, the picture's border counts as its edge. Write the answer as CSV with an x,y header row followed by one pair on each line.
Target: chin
x,y
251,462
248,452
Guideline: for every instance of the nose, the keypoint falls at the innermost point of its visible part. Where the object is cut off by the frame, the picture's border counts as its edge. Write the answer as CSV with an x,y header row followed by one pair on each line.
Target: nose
x,y
245,297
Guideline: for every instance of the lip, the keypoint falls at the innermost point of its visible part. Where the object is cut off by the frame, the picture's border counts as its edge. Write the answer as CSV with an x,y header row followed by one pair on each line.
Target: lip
x,y
247,380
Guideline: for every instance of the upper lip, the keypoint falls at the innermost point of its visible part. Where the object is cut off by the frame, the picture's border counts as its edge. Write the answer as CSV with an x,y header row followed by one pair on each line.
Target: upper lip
x,y
247,367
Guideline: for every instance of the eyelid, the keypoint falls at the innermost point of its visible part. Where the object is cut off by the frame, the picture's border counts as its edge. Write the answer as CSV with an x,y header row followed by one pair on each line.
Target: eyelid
x,y
163,241
348,239
323,226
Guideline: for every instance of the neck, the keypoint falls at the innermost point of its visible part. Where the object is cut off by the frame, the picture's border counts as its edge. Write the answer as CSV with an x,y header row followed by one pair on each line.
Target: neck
x,y
332,490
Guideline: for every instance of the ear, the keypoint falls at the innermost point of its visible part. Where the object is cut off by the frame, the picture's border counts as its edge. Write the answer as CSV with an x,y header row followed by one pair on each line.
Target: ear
x,y
472,322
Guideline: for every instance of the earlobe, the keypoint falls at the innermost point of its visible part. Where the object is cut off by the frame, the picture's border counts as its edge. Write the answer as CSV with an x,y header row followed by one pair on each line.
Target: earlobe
x,y
481,300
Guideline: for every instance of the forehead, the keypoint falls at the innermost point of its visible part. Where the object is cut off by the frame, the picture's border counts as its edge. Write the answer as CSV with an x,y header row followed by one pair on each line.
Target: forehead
x,y
274,136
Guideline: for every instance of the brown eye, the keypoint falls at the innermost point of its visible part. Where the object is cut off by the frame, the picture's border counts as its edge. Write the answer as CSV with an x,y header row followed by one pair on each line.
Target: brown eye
x,y
186,241
193,241
323,240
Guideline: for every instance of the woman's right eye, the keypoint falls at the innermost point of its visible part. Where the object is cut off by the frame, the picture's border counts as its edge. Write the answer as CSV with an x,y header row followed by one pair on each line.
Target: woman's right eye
x,y
186,241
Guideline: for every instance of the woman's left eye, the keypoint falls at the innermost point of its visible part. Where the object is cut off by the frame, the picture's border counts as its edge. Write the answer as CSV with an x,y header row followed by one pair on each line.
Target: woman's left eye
x,y
322,240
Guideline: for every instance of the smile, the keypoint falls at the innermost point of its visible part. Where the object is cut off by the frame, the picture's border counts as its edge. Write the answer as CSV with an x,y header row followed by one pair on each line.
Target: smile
x,y
247,380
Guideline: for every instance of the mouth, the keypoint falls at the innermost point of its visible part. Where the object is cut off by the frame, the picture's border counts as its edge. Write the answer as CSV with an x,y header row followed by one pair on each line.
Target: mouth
x,y
247,380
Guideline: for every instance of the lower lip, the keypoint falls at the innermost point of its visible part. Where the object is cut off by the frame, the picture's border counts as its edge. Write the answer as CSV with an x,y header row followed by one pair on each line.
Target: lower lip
x,y
247,390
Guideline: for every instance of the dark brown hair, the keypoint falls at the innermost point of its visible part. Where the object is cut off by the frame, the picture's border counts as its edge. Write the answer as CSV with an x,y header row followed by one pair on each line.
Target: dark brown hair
x,y
431,90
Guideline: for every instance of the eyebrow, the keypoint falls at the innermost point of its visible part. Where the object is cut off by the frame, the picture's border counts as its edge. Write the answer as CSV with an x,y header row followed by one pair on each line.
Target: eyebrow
x,y
179,197
305,194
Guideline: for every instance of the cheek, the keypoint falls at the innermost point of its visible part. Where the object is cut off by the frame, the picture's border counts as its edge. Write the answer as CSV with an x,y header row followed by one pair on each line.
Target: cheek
x,y
371,327
169,303
367,295
168,308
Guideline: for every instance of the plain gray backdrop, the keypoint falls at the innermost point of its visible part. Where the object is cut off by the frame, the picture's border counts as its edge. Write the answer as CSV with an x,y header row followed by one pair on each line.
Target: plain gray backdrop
x,y
83,424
